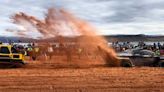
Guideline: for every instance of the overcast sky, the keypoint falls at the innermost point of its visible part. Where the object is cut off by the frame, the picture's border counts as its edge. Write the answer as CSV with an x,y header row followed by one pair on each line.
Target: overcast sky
x,y
109,16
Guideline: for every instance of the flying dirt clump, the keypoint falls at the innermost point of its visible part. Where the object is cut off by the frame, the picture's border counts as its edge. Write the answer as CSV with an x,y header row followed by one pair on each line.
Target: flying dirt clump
x,y
60,23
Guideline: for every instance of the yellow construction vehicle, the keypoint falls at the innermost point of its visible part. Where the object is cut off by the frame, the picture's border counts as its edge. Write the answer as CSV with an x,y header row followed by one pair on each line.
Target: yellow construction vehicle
x,y
10,57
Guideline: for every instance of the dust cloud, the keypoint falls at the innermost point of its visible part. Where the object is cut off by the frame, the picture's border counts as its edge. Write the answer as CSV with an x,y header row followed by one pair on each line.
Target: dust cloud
x,y
77,39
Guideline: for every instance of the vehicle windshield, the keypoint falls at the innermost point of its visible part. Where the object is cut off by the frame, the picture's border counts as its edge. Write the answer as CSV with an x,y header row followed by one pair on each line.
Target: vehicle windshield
x,y
4,50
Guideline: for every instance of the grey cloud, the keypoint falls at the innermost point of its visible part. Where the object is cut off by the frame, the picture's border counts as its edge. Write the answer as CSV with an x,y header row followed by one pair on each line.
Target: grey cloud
x,y
98,12
130,10
123,10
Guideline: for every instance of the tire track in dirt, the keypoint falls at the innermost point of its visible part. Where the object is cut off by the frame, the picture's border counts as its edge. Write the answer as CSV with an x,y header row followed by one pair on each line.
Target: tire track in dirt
x,y
82,80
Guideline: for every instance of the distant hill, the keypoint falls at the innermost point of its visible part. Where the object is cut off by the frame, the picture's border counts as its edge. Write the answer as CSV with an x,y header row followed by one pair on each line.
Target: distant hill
x,y
15,39
131,38
110,38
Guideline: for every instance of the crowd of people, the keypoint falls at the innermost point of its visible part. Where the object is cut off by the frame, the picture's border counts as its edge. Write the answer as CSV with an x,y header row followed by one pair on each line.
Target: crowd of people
x,y
155,47
33,50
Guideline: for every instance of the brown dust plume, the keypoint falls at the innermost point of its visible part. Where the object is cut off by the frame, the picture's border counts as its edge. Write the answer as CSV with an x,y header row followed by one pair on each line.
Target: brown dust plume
x,y
60,24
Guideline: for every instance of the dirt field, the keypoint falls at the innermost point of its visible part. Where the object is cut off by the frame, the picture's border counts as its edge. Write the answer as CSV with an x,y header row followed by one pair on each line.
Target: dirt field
x,y
93,79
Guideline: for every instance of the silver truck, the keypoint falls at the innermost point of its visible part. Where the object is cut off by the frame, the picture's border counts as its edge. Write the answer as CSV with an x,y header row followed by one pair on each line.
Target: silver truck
x,y
140,57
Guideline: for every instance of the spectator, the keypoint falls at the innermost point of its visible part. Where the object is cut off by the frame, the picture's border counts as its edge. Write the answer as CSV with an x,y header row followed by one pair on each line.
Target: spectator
x,y
50,51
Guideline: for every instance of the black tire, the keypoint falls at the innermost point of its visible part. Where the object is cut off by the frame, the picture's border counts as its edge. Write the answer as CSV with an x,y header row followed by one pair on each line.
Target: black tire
x,y
126,64
161,64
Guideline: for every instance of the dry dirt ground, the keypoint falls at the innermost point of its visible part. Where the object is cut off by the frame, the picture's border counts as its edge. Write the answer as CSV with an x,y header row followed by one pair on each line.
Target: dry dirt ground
x,y
35,77
80,76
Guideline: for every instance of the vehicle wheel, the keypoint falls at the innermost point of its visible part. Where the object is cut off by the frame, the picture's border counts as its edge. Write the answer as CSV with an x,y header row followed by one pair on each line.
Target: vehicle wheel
x,y
126,64
161,64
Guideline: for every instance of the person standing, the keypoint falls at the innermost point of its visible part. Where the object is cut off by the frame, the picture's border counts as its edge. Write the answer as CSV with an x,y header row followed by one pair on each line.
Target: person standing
x,y
79,52
157,52
50,52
